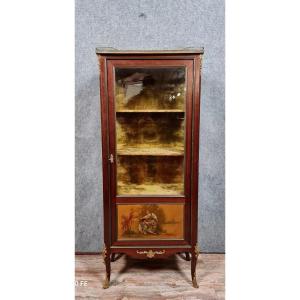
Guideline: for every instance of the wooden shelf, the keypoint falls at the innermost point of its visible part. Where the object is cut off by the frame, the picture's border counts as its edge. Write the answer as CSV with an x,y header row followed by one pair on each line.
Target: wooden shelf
x,y
150,111
170,189
151,151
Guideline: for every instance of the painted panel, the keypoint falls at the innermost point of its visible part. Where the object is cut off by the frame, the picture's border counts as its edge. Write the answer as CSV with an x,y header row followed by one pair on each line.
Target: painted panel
x,y
150,221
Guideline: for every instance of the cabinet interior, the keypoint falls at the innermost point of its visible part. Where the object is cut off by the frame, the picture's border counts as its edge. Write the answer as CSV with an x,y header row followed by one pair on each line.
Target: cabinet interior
x,y
150,130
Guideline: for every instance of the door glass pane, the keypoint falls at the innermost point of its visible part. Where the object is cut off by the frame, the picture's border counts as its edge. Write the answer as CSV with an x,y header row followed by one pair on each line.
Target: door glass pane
x,y
150,130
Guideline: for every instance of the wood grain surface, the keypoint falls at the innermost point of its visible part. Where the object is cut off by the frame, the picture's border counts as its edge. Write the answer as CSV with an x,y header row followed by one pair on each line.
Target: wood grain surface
x,y
150,279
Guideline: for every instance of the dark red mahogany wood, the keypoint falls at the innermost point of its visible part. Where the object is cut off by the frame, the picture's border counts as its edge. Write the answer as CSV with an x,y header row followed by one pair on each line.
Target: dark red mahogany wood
x,y
191,59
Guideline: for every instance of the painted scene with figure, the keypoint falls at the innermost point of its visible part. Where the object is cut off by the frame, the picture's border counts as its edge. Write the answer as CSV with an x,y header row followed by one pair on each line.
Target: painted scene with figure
x,y
150,221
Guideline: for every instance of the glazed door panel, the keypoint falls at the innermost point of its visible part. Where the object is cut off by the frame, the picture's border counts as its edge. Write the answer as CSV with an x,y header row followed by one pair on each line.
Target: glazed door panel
x,y
150,127
150,120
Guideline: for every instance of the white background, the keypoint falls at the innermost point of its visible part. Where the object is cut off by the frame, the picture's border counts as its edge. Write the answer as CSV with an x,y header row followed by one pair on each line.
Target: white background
x,y
37,150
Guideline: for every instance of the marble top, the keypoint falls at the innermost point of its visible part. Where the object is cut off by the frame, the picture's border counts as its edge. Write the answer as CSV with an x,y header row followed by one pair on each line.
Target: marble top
x,y
107,50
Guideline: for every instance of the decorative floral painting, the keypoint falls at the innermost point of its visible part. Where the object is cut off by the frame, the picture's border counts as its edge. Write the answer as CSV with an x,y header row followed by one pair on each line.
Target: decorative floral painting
x,y
150,221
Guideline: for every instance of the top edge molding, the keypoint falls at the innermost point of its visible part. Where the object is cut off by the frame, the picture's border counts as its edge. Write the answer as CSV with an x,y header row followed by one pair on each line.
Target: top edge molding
x,y
108,50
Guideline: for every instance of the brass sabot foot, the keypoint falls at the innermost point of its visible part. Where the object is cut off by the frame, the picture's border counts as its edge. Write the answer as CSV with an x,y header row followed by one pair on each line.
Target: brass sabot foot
x,y
195,284
106,283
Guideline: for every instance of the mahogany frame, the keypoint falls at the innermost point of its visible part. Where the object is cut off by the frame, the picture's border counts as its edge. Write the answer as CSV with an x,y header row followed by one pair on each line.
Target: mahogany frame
x,y
148,248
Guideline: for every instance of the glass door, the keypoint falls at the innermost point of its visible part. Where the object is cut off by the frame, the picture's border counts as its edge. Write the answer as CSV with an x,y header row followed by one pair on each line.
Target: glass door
x,y
149,109
150,113
150,134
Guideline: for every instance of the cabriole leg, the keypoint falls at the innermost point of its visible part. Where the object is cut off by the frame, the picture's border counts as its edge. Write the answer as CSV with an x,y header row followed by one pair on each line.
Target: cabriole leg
x,y
106,258
113,257
187,256
195,254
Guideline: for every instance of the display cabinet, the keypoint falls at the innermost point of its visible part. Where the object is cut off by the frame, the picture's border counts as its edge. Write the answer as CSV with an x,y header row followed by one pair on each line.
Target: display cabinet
x,y
150,106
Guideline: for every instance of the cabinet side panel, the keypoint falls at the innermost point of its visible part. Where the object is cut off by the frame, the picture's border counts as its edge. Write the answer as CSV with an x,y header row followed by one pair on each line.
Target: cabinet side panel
x,y
105,149
195,149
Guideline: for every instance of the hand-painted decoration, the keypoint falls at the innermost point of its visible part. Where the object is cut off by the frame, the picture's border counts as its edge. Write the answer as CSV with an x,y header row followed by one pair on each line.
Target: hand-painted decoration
x,y
150,221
